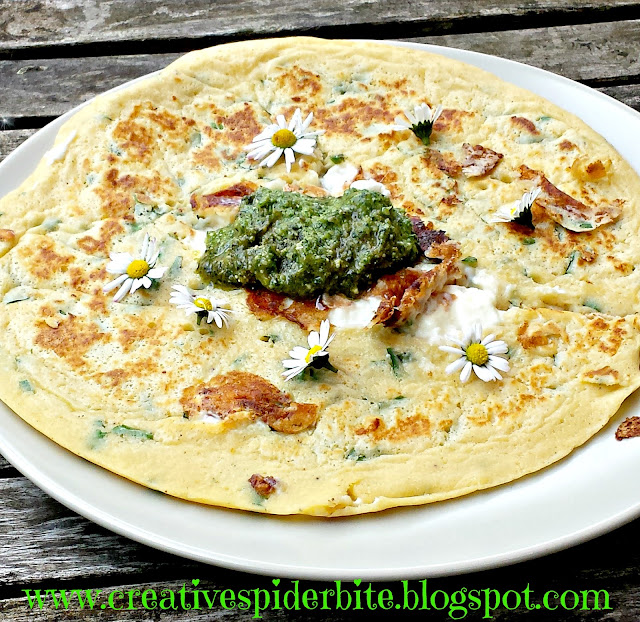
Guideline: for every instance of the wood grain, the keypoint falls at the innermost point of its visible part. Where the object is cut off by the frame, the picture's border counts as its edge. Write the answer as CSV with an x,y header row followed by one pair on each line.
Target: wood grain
x,y
42,540
44,545
592,53
9,140
32,24
599,54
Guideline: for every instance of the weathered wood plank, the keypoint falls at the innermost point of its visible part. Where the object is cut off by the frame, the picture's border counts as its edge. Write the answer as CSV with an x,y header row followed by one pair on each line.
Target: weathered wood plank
x,y
9,140
586,52
35,24
42,540
596,53
628,94
51,87
6,470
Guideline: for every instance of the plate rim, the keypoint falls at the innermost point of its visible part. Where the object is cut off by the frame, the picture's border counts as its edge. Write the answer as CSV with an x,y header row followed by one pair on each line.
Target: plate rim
x,y
63,495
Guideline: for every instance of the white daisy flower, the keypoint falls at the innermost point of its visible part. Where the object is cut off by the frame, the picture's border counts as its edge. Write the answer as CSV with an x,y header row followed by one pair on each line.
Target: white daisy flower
x,y
187,299
478,355
520,211
279,138
420,121
301,358
135,272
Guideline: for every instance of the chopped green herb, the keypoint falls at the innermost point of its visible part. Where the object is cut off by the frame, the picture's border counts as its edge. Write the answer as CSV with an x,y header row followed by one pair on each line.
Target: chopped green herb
x,y
573,257
337,159
593,305
355,455
529,241
395,362
544,119
51,224
471,261
126,431
175,268
586,225
25,386
196,140
216,126
271,338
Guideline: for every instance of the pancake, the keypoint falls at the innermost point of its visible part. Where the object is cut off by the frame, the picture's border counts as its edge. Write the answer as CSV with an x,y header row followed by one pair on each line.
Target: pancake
x,y
196,402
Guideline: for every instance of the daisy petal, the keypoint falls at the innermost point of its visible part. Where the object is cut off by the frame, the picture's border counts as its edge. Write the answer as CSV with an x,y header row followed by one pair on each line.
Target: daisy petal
x,y
115,283
499,363
455,366
123,291
483,373
487,339
289,158
465,374
299,353
453,350
272,159
305,146
500,348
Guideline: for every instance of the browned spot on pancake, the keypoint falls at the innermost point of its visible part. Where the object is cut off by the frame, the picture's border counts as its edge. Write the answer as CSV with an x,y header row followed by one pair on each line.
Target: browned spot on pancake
x,y
300,82
117,192
240,128
621,266
264,486
629,428
451,120
479,160
239,391
525,124
136,139
207,157
565,145
146,127
71,340
98,304
345,117
541,335
611,341
108,230
114,378
445,162
7,235
266,305
371,427
404,428
140,330
227,197
88,282
603,371
43,261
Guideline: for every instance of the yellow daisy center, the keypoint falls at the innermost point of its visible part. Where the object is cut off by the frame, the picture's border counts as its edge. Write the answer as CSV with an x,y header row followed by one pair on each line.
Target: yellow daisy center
x,y
311,353
137,269
283,139
477,354
203,303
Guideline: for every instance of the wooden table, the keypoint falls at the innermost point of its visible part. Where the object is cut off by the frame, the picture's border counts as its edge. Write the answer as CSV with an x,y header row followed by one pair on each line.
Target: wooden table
x,y
55,54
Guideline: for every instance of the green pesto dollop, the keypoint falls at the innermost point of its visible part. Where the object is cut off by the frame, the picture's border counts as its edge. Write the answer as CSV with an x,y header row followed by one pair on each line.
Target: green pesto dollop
x,y
304,246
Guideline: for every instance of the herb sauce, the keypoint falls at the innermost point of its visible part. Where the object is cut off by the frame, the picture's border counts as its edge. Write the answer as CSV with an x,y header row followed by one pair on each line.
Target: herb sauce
x,y
304,246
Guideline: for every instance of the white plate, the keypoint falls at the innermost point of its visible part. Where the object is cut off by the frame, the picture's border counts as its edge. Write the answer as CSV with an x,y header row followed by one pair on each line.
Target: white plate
x,y
579,498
